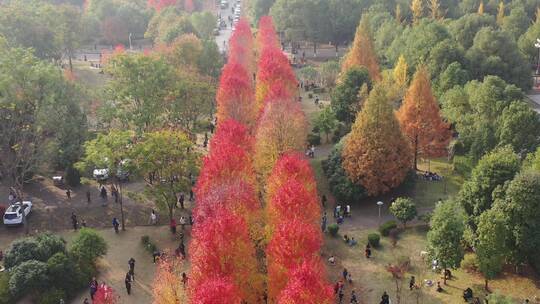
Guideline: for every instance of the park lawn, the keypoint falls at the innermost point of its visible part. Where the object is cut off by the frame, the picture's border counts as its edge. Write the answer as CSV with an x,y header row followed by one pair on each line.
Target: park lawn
x,y
370,278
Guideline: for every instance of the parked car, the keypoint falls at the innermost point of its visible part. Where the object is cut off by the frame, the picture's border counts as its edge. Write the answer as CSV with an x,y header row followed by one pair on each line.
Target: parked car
x,y
58,180
100,174
14,213
224,4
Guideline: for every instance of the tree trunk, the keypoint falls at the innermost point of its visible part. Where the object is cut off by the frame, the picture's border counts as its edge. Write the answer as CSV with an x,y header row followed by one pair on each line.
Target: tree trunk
x,y
120,198
486,285
444,276
70,64
416,152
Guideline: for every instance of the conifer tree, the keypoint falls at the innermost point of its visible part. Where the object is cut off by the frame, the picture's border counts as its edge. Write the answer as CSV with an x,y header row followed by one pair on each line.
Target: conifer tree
x,y
417,10
362,52
399,17
481,8
376,154
421,121
500,13
435,9
400,73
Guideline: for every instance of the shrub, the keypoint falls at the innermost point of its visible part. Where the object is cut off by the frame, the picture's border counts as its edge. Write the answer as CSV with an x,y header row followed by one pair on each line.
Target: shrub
x,y
64,273
73,177
333,229
314,139
385,228
374,239
148,244
5,296
470,263
52,296
463,165
49,244
426,217
88,245
29,277
21,251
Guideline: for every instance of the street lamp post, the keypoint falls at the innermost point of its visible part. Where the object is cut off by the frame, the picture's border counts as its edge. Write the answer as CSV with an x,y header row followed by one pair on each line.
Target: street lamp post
x,y
130,47
380,204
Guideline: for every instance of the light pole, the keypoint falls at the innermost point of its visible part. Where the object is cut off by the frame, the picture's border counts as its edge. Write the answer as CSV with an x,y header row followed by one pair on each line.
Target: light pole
x,y
130,47
380,204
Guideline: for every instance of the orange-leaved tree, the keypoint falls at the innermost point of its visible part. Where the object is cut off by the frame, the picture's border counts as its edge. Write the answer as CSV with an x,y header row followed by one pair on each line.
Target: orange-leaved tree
x,y
307,285
241,46
231,131
267,36
282,128
362,52
376,154
292,242
235,95
167,287
421,121
217,290
222,247
292,165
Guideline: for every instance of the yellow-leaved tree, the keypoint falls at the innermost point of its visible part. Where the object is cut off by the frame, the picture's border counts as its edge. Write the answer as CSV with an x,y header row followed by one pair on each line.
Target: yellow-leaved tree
x,y
481,8
421,121
376,154
400,72
362,52
500,13
417,9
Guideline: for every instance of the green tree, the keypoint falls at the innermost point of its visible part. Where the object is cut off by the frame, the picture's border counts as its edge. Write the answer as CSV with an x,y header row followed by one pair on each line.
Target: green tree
x,y
491,247
109,151
326,122
138,88
204,23
465,28
517,22
64,273
493,170
454,75
521,208
344,98
20,251
88,246
166,159
445,235
29,277
210,60
519,127
527,40
495,52
329,72
404,209
259,8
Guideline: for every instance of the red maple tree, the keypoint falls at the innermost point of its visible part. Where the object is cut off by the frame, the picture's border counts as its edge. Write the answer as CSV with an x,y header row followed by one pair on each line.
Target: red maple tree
x,y
217,290
307,285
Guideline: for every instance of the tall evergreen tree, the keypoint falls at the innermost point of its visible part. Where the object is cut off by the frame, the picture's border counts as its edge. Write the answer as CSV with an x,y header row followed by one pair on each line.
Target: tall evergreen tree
x,y
421,121
362,52
376,154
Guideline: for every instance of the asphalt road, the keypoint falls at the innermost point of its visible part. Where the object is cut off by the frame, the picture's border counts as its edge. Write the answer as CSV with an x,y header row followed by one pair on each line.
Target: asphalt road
x,y
222,39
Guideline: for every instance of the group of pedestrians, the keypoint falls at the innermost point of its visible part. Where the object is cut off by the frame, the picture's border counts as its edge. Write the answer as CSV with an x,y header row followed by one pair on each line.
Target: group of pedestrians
x,y
339,288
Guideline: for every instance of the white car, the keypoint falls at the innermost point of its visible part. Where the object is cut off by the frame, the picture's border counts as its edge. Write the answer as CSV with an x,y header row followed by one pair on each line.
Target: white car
x,y
101,174
14,213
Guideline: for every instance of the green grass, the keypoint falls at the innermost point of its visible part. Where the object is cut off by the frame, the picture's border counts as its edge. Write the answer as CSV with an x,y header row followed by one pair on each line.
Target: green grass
x,y
371,278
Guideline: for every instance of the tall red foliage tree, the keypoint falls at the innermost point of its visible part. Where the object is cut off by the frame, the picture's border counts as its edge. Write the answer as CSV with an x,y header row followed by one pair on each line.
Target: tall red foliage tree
x,y
282,128
291,165
267,36
293,200
307,285
235,96
241,46
231,131
221,247
421,121
161,4
274,72
217,290
293,242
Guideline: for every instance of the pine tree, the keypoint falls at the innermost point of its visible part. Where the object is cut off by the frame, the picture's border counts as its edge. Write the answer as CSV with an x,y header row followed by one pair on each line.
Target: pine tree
x,y
481,8
376,154
417,10
399,18
420,119
362,52
400,73
500,13
435,9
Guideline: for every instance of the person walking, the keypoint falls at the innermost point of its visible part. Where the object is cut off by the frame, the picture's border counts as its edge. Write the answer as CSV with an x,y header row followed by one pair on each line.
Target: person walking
x,y
345,273
131,264
68,194
88,200
114,193
353,297
341,295
115,224
385,299
86,301
191,195
181,200
323,223
93,287
183,222
411,283
127,280
153,217
74,221
184,279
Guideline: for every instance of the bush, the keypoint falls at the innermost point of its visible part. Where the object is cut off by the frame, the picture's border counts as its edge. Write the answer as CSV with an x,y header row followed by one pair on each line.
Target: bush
x,y
426,217
374,239
20,251
50,244
470,263
5,296
52,296
404,209
73,177
385,228
333,229
88,245
463,165
29,277
314,139
64,273
148,244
